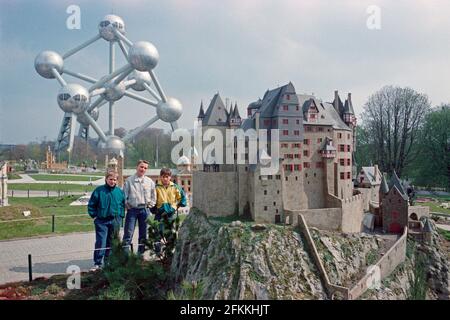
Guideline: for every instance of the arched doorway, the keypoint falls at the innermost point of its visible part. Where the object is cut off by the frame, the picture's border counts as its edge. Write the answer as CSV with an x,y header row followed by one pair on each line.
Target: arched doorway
x,y
413,216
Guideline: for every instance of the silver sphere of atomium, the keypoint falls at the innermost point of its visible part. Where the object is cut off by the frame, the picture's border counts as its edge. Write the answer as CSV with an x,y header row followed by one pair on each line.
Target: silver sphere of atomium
x,y
143,56
141,78
113,144
113,91
169,111
108,24
45,61
94,113
73,98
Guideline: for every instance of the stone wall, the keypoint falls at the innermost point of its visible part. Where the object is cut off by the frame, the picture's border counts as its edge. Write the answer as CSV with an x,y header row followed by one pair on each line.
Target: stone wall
x,y
331,288
421,211
218,198
390,260
323,219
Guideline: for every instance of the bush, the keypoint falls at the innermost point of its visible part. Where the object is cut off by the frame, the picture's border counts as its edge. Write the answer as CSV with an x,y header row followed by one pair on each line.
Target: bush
x,y
130,277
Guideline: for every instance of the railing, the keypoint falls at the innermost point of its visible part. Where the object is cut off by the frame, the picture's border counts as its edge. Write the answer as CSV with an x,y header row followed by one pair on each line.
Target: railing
x,y
43,193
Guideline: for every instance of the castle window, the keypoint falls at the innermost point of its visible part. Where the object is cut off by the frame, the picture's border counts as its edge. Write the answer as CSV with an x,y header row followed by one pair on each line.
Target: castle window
x,y
246,168
266,122
307,164
319,140
342,175
296,178
348,148
278,177
285,132
297,121
288,97
249,112
285,121
285,145
276,211
285,107
286,178
306,142
342,162
296,132
306,175
339,135
315,175
342,147
297,156
348,162
306,153
348,136
270,177
278,191
320,129
265,208
265,192
296,108
189,189
308,128
274,203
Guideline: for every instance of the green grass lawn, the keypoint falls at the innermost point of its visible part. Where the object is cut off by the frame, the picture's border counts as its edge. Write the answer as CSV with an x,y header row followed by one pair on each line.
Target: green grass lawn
x,y
43,208
434,207
56,177
13,176
50,186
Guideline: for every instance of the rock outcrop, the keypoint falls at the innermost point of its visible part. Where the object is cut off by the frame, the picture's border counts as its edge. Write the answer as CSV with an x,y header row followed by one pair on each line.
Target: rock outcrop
x,y
234,259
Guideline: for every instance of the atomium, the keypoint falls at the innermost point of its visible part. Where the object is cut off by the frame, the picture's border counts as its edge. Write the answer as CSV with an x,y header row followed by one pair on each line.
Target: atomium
x,y
82,103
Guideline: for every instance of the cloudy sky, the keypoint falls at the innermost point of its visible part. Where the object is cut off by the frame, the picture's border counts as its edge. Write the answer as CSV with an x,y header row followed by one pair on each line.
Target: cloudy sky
x,y
239,48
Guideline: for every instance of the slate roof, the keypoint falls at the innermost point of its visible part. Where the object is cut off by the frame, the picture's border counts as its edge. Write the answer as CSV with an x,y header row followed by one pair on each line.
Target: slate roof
x,y
216,114
370,174
395,182
384,186
327,115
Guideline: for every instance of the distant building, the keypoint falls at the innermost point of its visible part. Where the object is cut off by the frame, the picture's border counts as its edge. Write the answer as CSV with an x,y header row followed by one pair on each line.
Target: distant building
x,y
3,183
50,163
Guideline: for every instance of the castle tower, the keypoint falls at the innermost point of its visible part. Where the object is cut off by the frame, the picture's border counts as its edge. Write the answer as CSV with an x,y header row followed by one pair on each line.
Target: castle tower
x,y
328,154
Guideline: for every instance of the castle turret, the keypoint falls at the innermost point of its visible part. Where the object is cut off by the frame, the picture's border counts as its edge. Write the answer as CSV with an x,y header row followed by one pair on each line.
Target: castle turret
x,y
349,113
235,118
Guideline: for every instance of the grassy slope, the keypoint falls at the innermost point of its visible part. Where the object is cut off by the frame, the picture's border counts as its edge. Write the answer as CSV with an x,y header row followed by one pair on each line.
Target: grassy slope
x,y
56,177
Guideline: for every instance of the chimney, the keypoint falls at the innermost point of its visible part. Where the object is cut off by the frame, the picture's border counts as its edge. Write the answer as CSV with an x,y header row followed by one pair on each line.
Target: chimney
x,y
349,97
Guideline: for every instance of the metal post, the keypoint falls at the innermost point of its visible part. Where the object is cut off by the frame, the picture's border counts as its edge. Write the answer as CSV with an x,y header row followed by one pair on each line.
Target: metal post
x,y
30,268
28,193
59,193
53,223
12,193
131,246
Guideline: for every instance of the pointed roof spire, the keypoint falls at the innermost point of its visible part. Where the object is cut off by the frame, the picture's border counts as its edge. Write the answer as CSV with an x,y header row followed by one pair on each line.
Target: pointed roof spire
x,y
348,108
384,186
236,111
395,182
201,114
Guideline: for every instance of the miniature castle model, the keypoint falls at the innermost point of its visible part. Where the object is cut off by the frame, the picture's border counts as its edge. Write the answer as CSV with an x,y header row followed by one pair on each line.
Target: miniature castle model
x,y
317,144
51,164
3,184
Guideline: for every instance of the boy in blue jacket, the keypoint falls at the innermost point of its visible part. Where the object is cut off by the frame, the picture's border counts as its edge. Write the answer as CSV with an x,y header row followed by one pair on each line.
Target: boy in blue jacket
x,y
107,207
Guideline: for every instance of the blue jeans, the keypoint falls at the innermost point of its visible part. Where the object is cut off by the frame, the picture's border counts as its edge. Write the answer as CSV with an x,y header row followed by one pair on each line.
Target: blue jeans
x,y
105,231
141,216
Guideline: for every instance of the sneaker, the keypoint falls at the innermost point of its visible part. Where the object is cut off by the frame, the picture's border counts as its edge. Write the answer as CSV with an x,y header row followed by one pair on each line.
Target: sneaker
x,y
96,268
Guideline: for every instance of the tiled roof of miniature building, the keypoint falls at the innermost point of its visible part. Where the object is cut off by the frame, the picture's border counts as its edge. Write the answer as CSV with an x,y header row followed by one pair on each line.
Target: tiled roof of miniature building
x,y
395,181
273,97
328,116
348,107
216,114
327,146
427,225
370,174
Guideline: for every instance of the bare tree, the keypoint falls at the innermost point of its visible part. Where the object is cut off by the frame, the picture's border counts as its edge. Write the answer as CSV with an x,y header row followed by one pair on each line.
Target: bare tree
x,y
392,118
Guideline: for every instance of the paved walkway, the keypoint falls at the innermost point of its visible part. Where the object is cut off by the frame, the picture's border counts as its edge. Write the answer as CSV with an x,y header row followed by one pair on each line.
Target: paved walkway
x,y
50,255
25,178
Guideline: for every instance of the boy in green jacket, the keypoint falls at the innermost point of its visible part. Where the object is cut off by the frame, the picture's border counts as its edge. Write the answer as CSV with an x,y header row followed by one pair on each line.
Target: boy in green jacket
x,y
107,207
